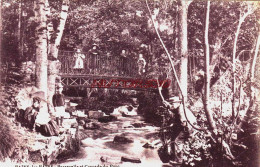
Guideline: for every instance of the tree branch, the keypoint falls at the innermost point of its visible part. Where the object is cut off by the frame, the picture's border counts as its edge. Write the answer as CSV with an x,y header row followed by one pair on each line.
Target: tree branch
x,y
174,71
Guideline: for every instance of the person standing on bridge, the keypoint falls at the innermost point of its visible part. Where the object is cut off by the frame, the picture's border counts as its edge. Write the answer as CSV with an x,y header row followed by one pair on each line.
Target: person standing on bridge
x,y
94,59
122,70
141,63
79,63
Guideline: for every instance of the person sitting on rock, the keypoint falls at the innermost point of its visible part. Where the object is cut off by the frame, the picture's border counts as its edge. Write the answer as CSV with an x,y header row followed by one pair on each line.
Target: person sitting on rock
x,y
58,101
44,123
31,113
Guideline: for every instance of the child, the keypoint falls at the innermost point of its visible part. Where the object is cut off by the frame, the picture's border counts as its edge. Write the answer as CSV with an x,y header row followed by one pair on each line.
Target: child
x,y
59,104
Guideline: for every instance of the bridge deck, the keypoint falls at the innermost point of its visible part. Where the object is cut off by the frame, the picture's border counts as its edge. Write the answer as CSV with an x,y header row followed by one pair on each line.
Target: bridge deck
x,y
101,71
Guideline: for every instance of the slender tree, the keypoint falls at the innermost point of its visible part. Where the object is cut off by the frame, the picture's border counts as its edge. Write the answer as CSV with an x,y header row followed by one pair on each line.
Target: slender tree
x,y
207,71
183,48
242,18
41,46
54,43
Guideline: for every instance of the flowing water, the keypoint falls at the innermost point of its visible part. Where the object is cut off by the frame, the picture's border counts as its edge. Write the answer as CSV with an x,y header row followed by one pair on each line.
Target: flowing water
x,y
100,144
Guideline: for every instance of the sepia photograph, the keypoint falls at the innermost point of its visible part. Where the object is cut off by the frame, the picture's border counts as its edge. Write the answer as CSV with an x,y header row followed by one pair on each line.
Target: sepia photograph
x,y
129,83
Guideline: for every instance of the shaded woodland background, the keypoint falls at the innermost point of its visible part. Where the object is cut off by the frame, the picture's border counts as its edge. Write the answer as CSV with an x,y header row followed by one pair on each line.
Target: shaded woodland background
x,y
213,47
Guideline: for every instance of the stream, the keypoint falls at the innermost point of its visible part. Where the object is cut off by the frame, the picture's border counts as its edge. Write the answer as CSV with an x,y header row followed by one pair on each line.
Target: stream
x,y
98,149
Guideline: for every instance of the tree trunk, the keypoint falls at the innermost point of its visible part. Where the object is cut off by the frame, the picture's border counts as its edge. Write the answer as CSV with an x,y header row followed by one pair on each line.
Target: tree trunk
x,y
19,30
41,47
1,71
54,64
254,94
207,72
252,76
241,20
183,39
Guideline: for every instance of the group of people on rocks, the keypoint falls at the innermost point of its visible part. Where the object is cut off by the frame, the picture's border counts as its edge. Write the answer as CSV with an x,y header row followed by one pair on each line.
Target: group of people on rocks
x,y
40,118
79,61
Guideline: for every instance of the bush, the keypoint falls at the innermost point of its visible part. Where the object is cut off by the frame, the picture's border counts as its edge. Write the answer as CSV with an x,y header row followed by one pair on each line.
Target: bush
x,y
8,138
150,108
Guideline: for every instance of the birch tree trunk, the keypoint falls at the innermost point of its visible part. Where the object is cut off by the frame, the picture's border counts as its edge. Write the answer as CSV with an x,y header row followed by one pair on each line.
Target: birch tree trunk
x,y
183,39
207,72
252,76
41,47
241,20
54,64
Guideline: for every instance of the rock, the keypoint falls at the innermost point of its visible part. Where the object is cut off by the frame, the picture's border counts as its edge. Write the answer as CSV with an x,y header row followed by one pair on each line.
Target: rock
x,y
129,126
95,114
110,160
103,159
68,122
125,115
130,108
148,145
79,113
91,126
108,110
129,113
74,125
87,120
81,122
122,109
106,119
138,125
35,156
130,159
122,139
71,104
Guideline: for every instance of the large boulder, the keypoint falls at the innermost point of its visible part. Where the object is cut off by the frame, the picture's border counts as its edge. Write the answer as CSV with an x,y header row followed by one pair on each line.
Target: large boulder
x,y
138,125
130,159
122,139
106,119
148,145
125,111
108,110
91,126
95,114
48,149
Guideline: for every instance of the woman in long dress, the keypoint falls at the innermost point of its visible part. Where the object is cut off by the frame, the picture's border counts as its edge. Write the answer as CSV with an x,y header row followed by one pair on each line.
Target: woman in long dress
x,y
79,63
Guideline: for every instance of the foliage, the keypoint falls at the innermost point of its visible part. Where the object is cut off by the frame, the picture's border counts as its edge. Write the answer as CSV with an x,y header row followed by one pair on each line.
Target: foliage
x,y
150,106
115,25
8,138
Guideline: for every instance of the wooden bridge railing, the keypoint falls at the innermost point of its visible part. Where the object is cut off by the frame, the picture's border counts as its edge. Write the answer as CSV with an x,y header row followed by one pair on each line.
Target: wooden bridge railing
x,y
98,65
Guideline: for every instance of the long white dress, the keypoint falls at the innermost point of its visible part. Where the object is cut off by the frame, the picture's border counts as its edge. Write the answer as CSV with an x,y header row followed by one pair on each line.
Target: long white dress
x,y
43,116
79,64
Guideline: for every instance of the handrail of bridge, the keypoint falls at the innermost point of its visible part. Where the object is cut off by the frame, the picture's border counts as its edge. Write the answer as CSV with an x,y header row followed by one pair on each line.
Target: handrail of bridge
x,y
97,65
